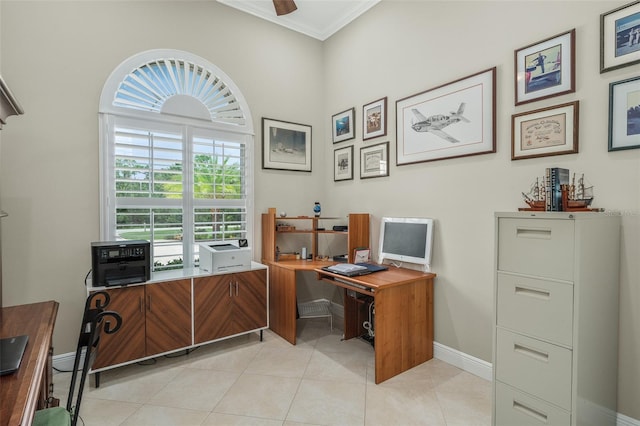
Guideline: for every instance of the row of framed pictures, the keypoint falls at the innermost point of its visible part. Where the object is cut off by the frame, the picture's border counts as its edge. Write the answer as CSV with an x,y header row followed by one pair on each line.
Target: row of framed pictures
x,y
287,146
554,130
538,133
374,122
458,119
374,159
374,162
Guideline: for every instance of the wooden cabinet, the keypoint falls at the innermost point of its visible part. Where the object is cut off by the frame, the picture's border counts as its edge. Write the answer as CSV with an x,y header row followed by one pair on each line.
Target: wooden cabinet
x,y
229,304
556,318
168,316
274,228
156,318
129,342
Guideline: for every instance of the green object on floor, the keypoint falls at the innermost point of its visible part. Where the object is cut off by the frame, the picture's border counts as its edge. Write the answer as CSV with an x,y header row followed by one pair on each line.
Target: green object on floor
x,y
52,417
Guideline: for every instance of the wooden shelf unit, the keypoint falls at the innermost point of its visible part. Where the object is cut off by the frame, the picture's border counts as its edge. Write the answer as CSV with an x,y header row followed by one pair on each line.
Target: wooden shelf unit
x,y
357,233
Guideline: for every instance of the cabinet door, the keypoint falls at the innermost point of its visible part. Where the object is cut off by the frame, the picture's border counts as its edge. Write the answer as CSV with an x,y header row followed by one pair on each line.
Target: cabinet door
x,y
213,307
168,318
250,301
129,342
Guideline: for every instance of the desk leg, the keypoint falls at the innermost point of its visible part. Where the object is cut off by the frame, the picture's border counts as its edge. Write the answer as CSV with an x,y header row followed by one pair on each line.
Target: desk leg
x,y
282,302
404,328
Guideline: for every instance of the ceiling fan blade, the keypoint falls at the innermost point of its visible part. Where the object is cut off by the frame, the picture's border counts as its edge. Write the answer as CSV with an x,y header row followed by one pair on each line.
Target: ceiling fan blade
x,y
284,7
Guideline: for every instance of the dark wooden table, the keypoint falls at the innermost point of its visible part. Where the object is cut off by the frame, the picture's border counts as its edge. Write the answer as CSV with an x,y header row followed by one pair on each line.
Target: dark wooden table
x,y
27,390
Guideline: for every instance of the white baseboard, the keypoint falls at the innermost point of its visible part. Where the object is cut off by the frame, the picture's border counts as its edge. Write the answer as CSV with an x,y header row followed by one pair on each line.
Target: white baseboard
x,y
484,370
622,420
63,362
463,361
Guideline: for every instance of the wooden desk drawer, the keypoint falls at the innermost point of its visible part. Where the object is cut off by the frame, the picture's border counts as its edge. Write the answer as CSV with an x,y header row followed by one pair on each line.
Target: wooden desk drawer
x,y
514,407
536,247
537,307
536,367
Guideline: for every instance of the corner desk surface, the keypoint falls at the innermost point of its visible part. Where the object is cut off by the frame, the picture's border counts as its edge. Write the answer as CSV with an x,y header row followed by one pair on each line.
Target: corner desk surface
x,y
403,305
24,391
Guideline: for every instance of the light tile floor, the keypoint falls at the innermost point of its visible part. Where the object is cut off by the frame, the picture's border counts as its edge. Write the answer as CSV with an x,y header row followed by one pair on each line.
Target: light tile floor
x,y
320,381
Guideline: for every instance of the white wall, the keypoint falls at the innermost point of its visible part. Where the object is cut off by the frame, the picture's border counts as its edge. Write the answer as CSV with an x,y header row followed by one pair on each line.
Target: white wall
x,y
58,54
400,48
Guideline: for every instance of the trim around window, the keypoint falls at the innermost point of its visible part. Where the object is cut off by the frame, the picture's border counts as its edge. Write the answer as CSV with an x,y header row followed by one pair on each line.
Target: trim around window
x,y
176,175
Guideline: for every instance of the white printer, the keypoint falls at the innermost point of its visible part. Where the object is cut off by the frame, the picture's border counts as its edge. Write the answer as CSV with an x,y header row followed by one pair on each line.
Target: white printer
x,y
224,256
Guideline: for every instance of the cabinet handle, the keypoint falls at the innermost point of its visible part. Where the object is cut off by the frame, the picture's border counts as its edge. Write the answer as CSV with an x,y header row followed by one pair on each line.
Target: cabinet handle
x,y
538,233
149,303
142,304
236,288
530,411
532,292
230,289
531,353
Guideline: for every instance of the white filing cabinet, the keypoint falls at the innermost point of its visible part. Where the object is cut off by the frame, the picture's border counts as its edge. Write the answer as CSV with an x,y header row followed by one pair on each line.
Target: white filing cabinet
x,y
555,358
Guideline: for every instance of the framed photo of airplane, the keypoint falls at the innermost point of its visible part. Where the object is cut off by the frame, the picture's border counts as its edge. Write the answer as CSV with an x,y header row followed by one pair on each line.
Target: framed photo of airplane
x,y
343,125
546,68
545,132
286,145
620,37
456,119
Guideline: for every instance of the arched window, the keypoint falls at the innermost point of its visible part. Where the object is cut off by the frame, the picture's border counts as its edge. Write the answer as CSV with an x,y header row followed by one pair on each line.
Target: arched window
x,y
176,140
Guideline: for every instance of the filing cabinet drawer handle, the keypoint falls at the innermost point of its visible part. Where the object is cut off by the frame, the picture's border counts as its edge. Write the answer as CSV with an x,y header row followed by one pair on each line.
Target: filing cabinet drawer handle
x,y
539,233
531,353
530,411
532,292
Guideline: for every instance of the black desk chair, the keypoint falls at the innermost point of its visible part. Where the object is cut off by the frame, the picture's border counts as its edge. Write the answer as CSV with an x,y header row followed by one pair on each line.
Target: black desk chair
x,y
95,320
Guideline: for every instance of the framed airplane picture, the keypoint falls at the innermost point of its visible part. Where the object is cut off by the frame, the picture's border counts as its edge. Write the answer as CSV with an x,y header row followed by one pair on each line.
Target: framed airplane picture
x,y
546,68
456,119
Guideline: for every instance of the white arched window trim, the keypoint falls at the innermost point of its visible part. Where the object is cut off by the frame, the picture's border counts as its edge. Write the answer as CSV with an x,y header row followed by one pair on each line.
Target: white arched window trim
x,y
204,102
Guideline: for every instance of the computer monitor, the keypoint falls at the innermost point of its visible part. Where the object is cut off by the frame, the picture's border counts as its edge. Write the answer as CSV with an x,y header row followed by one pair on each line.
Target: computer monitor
x,y
404,239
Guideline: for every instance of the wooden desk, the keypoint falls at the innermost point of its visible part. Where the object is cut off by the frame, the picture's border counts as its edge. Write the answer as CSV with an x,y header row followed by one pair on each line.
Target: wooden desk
x,y
28,389
283,295
403,311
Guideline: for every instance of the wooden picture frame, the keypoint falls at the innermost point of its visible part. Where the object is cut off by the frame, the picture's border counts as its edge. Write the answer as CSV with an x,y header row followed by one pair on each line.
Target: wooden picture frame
x,y
624,114
343,163
456,119
620,37
546,68
343,125
286,145
374,161
545,132
374,119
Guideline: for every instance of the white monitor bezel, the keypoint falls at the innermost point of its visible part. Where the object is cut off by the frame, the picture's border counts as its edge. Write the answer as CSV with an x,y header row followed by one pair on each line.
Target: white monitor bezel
x,y
394,257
